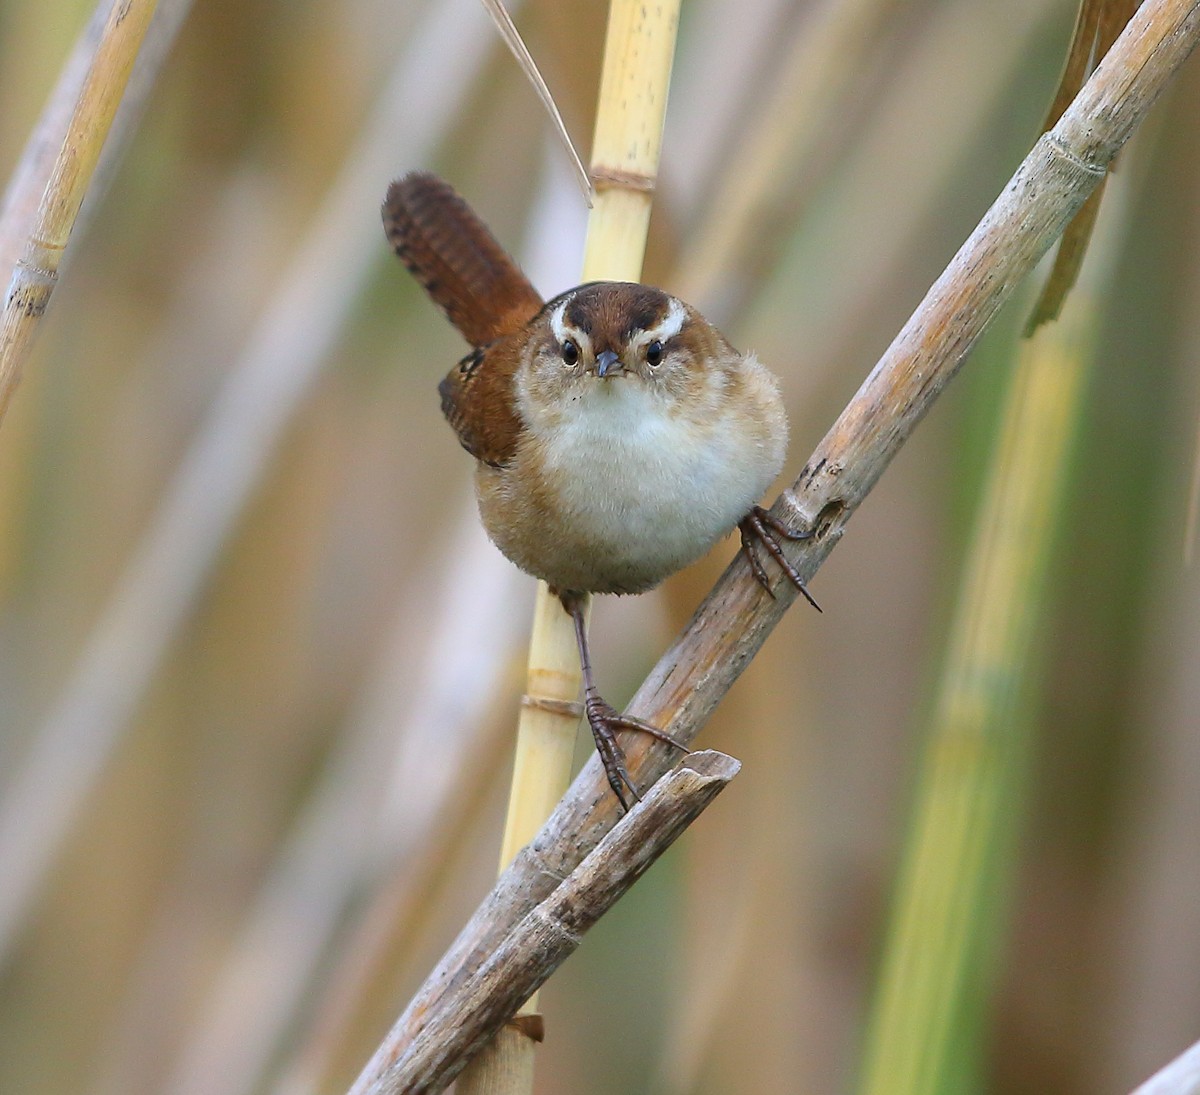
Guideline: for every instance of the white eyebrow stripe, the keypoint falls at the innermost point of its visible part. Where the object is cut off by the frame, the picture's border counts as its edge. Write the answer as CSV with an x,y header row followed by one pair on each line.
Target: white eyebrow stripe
x,y
556,321
672,325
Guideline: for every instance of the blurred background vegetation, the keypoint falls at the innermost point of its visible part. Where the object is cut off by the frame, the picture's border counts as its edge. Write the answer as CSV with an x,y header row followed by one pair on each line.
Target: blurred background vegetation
x,y
301,726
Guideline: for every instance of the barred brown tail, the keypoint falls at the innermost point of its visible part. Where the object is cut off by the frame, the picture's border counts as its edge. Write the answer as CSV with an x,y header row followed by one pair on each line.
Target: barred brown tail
x,y
453,255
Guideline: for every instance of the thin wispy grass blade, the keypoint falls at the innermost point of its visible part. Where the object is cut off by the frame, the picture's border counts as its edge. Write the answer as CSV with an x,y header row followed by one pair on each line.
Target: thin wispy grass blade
x,y
516,44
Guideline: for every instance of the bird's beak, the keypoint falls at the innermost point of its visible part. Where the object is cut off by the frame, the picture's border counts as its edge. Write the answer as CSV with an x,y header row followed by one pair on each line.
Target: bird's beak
x,y
608,363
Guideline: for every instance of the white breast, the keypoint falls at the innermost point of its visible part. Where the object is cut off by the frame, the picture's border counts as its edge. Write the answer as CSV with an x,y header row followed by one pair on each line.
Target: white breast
x,y
645,492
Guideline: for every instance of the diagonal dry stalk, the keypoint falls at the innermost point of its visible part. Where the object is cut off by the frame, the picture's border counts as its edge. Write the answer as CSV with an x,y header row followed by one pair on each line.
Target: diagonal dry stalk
x,y
520,51
70,175
1051,184
553,930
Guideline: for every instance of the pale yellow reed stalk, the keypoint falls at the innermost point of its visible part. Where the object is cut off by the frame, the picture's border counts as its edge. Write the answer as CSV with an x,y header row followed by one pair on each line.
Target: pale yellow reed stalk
x,y
46,236
638,51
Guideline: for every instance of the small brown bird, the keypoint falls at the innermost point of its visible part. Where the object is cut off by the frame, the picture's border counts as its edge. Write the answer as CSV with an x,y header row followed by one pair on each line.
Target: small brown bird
x,y
617,433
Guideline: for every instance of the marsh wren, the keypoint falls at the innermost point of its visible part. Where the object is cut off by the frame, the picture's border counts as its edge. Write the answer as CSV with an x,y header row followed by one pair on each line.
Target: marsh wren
x,y
617,434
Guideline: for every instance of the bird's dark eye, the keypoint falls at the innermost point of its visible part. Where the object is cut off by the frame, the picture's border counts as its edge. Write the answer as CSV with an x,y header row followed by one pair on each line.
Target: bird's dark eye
x,y
570,352
654,354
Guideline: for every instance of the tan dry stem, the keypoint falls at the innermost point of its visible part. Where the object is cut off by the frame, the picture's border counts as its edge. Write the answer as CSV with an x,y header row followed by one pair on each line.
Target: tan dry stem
x,y
36,272
552,932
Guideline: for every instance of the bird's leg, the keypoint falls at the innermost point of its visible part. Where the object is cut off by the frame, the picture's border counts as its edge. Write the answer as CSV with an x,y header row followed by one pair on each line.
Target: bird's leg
x,y
602,717
762,526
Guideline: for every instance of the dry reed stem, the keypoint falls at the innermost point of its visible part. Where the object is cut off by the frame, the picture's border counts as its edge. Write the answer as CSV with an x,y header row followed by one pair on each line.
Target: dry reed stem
x,y
635,77
734,621
639,49
281,361
1096,28
45,238
28,181
552,931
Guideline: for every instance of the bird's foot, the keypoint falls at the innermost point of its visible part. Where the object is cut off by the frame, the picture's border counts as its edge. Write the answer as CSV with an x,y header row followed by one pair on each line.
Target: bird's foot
x,y
762,526
605,721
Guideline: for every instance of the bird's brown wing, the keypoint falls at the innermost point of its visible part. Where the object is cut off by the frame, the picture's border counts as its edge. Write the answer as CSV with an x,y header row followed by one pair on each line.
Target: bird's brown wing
x,y
484,294
478,401
453,255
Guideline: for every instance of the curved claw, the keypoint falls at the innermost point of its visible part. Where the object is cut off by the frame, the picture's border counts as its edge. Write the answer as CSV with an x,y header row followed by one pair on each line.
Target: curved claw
x,y
604,721
762,526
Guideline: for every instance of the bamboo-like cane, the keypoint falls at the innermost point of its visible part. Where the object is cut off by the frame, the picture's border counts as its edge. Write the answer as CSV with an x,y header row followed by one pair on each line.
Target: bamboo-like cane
x,y
638,52
948,907
36,271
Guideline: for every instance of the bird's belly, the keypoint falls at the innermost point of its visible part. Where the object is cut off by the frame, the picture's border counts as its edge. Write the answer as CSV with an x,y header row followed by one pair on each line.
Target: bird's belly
x,y
620,513
635,526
